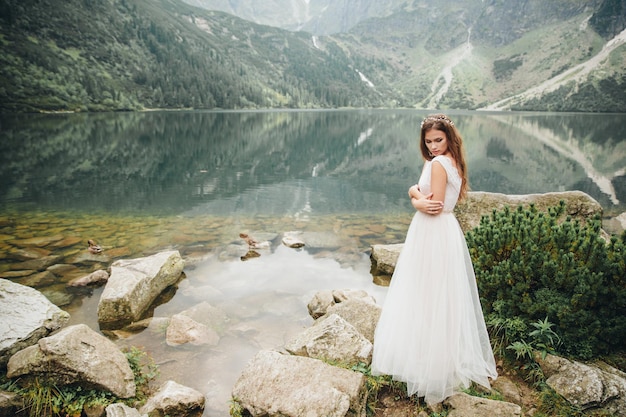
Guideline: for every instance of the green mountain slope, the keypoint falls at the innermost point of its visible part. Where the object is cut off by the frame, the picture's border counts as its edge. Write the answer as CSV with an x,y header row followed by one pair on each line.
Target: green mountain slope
x,y
131,54
474,53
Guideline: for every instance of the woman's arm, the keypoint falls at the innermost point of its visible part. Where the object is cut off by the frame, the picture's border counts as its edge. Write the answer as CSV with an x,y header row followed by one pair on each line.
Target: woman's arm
x,y
438,181
433,202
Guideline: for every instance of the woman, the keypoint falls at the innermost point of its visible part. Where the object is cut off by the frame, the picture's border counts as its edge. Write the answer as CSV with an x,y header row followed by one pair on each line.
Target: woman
x,y
431,333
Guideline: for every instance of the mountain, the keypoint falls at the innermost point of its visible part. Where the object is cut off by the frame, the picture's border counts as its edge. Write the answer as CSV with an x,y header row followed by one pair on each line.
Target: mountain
x,y
132,54
469,54
91,55
319,17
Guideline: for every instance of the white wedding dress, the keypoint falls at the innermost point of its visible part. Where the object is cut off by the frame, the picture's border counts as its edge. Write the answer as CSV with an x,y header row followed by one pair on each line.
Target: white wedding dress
x,y
431,333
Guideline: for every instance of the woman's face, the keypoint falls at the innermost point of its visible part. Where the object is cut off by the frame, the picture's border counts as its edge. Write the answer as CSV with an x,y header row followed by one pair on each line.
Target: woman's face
x,y
436,141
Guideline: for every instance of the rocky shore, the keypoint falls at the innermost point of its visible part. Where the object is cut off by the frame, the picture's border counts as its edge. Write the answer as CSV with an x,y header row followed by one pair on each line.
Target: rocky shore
x,y
296,378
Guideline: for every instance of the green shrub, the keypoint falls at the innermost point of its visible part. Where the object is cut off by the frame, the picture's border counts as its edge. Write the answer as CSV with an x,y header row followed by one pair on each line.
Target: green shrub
x,y
533,266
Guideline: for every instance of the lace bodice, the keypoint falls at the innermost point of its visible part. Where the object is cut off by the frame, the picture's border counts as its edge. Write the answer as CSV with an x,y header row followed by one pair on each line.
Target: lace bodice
x,y
453,186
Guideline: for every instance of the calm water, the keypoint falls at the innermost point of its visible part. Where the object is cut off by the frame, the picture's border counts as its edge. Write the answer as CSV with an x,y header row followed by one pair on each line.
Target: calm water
x,y
144,182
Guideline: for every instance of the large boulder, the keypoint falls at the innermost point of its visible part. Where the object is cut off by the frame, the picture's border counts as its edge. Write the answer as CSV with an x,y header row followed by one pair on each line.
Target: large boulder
x,y
134,285
331,338
587,385
27,316
464,405
173,399
273,384
76,355
578,205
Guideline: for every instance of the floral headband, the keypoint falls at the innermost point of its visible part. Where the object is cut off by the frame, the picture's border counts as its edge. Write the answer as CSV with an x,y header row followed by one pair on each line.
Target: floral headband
x,y
437,118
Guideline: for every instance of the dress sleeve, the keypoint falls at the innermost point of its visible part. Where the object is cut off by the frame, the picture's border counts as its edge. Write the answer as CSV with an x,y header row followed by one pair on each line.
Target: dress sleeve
x,y
445,163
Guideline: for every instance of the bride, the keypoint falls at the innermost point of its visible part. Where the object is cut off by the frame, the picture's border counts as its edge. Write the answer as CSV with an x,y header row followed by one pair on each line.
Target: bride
x,y
431,333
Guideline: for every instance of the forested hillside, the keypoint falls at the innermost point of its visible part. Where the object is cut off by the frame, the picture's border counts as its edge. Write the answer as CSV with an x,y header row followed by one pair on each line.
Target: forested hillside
x,y
133,54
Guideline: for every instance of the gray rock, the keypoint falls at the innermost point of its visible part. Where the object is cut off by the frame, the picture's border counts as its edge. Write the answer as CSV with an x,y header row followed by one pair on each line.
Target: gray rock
x,y
38,279
273,384
57,297
27,316
95,278
464,405
509,389
345,295
134,285
384,258
593,385
360,313
76,355
183,329
321,240
579,205
38,264
293,240
322,300
198,325
173,399
122,410
87,258
10,403
331,338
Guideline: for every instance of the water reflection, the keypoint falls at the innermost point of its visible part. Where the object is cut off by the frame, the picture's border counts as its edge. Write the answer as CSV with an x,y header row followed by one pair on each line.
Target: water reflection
x,y
174,162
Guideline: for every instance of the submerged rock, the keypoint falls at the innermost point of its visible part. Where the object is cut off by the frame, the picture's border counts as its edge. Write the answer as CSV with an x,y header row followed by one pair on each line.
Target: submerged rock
x,y
173,399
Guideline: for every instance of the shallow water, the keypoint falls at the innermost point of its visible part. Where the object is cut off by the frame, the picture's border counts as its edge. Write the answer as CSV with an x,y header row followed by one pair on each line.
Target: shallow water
x,y
263,299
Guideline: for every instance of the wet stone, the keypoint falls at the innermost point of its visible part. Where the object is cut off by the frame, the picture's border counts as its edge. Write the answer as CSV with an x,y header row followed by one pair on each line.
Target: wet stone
x,y
63,269
382,280
378,228
37,241
118,252
39,264
40,279
67,242
17,274
4,238
86,258
58,297
27,254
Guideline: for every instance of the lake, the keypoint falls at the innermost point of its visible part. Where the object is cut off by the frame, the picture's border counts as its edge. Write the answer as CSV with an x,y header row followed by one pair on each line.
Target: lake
x,y
139,183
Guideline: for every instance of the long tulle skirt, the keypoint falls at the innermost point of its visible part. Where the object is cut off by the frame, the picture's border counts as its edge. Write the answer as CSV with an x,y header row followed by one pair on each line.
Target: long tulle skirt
x,y
431,333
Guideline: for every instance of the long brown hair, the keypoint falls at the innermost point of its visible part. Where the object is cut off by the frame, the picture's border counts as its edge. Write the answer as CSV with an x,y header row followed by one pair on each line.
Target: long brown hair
x,y
455,145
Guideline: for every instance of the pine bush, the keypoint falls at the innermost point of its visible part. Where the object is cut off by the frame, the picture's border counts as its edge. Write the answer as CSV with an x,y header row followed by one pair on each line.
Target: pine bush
x,y
532,266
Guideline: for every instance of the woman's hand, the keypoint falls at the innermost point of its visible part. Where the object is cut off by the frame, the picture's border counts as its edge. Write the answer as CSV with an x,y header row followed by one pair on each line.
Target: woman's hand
x,y
424,202
414,192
